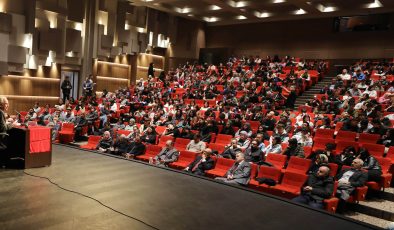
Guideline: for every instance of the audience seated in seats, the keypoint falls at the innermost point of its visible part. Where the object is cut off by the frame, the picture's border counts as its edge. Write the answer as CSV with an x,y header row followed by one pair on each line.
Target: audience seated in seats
x,y
253,153
239,173
186,133
171,131
274,147
303,137
243,140
149,136
320,160
349,179
346,157
294,149
120,146
280,132
202,163
318,187
80,122
91,117
370,164
135,148
130,125
228,129
231,149
167,155
105,143
196,145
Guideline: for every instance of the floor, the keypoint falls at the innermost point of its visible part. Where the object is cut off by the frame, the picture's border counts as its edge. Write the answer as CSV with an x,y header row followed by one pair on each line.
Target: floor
x,y
162,198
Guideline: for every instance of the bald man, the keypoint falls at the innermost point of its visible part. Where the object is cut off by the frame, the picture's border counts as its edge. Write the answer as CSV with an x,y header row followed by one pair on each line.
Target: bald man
x,y
167,155
319,186
5,125
201,163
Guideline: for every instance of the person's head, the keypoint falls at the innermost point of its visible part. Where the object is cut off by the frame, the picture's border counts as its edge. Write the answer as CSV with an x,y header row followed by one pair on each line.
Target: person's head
x,y
254,144
239,156
137,139
293,142
330,147
131,122
363,154
323,171
276,140
349,151
106,135
197,138
280,128
170,126
260,137
243,135
344,71
357,163
4,103
234,142
321,159
169,144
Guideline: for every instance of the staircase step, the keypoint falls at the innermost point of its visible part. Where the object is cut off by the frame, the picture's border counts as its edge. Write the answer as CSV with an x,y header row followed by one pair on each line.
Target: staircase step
x,y
368,219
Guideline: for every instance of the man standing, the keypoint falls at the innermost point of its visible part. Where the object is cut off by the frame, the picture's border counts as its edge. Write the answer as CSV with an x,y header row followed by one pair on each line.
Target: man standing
x,y
318,187
66,88
239,173
5,125
88,86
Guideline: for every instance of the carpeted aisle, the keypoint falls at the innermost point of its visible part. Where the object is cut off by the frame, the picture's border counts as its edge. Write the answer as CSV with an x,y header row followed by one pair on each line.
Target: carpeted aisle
x,y
159,197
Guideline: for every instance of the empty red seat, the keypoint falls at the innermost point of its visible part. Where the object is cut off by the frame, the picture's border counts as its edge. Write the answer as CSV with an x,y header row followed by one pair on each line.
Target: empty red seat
x,y
223,139
150,151
184,159
92,142
277,160
368,138
374,149
320,143
160,129
333,169
221,167
290,186
181,143
346,136
218,147
324,133
265,172
66,134
298,165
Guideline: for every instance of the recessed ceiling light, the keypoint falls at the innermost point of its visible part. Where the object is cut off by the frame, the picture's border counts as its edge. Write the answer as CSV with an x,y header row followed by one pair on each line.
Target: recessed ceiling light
x,y
241,17
210,19
327,9
238,4
214,7
278,1
262,14
185,10
190,15
300,11
375,4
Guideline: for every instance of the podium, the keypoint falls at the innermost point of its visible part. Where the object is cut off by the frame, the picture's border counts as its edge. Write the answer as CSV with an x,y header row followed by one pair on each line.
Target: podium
x,y
32,144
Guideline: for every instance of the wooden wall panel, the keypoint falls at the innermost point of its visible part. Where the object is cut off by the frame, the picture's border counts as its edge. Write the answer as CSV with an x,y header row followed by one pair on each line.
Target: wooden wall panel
x,y
5,23
24,86
110,84
23,104
115,71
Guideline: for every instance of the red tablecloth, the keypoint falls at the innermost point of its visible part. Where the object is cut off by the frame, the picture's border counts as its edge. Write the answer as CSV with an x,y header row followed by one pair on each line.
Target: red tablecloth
x,y
40,139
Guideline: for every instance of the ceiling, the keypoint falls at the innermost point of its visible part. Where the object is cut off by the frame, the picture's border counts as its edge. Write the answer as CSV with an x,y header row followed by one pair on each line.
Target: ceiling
x,y
228,12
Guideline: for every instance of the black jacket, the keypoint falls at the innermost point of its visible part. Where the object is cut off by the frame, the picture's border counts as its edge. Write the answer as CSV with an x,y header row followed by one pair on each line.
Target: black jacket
x,y
322,188
136,148
200,170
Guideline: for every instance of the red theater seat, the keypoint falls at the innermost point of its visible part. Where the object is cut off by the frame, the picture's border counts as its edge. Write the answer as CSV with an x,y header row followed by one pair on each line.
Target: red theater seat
x,y
223,139
346,136
218,147
374,149
184,159
320,143
368,138
164,139
221,167
181,143
278,160
298,165
66,134
265,172
92,142
385,179
290,186
151,151
324,133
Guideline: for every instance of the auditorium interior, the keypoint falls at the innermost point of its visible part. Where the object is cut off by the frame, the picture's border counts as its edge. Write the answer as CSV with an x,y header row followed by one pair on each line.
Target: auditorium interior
x,y
196,114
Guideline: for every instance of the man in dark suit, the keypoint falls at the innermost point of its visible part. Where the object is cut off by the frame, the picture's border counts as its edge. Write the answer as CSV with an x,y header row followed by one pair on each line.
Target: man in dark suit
x,y
66,88
135,148
5,125
349,179
202,163
319,186
167,155
239,173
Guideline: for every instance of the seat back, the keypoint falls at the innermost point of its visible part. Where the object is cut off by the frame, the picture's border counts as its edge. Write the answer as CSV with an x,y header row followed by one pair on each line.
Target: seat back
x,y
181,143
153,149
224,163
341,145
320,143
160,129
223,138
94,140
346,135
333,169
368,138
374,149
185,155
278,160
68,127
324,133
299,164
295,180
218,147
270,172
384,163
164,139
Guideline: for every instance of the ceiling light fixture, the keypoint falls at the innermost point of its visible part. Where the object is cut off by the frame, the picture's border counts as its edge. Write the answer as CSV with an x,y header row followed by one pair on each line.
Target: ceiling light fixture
x,y
210,19
185,10
375,4
327,9
262,14
300,11
241,17
215,7
278,1
238,4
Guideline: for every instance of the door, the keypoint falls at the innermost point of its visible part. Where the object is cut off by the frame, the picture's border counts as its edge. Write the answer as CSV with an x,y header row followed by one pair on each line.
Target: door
x,y
74,77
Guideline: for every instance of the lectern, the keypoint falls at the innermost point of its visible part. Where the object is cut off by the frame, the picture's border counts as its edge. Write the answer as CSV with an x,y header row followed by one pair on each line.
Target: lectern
x,y
32,144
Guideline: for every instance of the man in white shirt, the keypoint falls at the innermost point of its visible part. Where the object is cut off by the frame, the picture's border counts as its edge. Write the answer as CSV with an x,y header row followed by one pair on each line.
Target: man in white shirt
x,y
196,145
344,75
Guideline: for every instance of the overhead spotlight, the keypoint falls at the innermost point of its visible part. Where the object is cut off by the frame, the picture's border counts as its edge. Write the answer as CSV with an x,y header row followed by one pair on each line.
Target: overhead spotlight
x,y
375,4
300,11
278,1
214,7
210,19
241,17
262,14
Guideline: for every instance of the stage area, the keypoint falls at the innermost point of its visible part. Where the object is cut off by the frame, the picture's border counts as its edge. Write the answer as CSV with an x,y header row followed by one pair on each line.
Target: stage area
x,y
162,198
